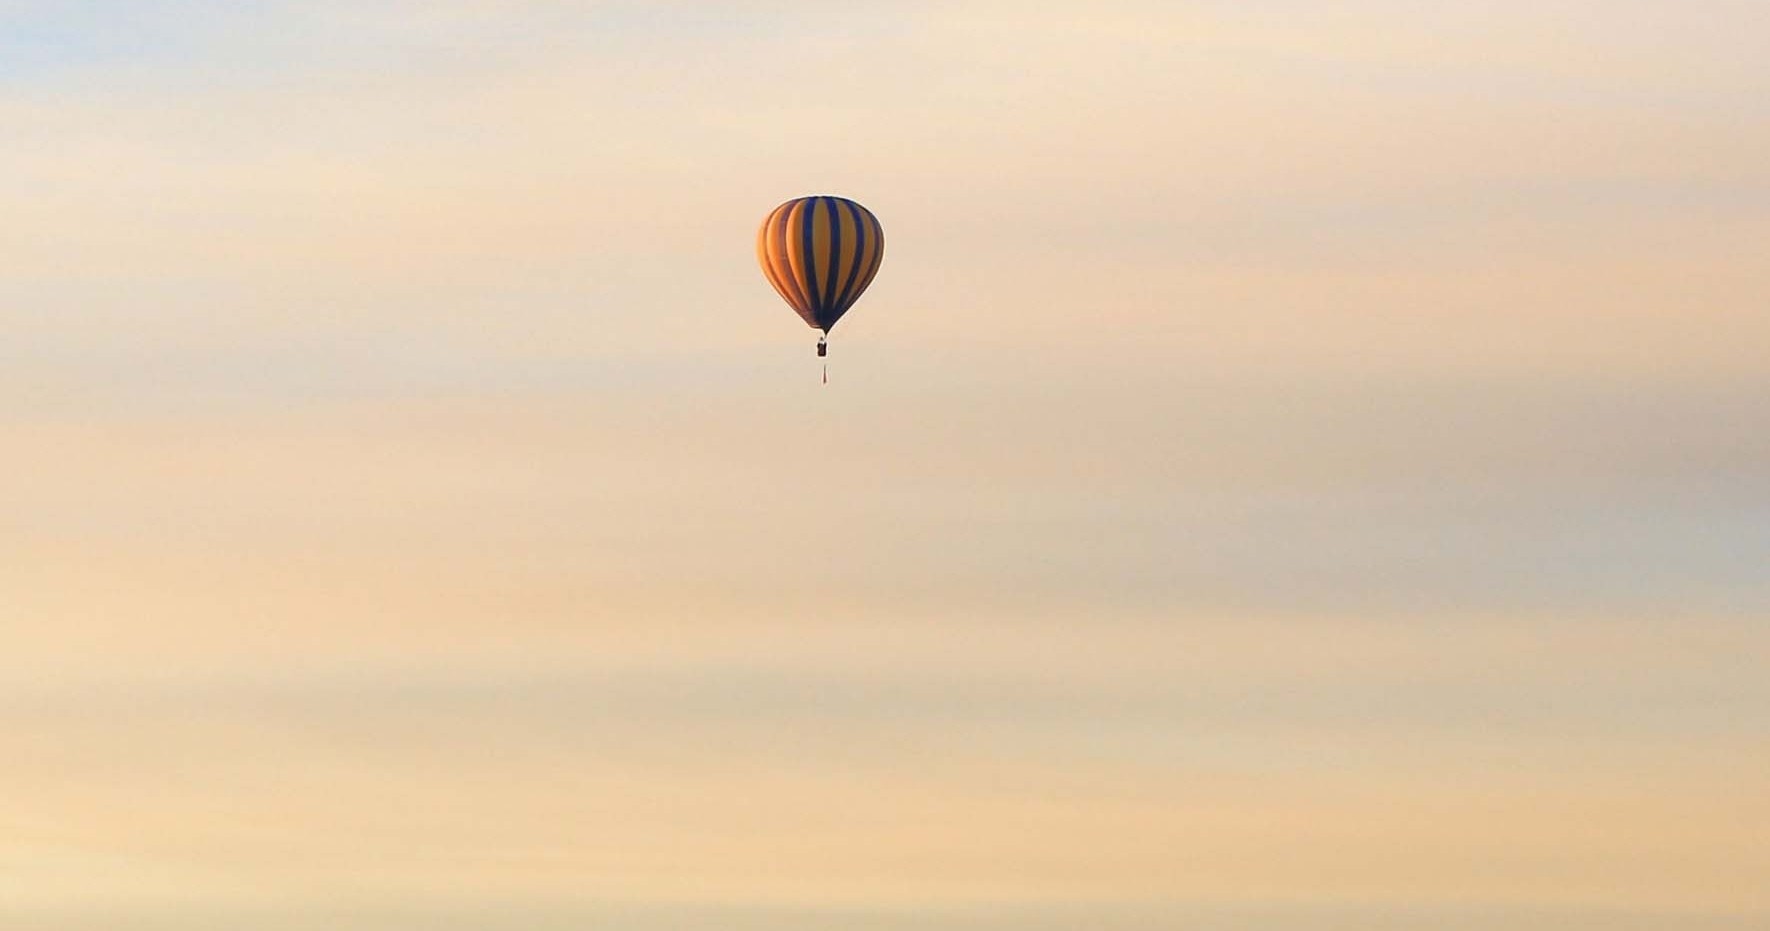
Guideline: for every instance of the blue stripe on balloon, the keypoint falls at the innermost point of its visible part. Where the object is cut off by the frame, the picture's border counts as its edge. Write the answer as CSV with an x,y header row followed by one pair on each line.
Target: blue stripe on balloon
x,y
808,260
835,255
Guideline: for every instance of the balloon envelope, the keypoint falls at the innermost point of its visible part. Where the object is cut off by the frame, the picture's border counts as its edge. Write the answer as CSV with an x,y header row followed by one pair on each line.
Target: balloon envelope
x,y
820,253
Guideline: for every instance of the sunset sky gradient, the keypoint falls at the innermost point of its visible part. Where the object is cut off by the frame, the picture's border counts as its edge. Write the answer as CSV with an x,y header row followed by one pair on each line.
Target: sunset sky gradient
x,y
1301,466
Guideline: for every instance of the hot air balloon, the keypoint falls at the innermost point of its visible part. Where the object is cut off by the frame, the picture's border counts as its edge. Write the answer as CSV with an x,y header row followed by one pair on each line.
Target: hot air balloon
x,y
820,253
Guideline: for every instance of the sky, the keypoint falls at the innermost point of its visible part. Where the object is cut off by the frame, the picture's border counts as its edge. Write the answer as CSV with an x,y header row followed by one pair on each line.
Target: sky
x,y
1301,466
